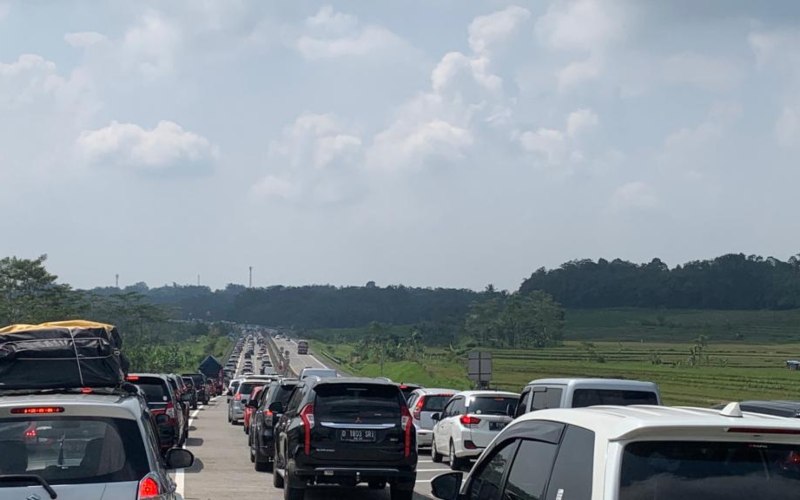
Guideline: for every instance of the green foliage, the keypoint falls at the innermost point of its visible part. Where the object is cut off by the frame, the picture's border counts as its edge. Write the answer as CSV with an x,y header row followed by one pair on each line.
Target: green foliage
x,y
30,294
516,320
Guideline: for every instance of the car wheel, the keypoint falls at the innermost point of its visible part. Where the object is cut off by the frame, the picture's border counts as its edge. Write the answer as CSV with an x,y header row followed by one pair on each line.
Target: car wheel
x,y
277,479
290,492
402,492
436,457
263,466
455,462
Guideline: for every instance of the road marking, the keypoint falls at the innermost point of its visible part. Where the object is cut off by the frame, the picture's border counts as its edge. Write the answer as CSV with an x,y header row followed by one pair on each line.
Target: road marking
x,y
179,473
320,363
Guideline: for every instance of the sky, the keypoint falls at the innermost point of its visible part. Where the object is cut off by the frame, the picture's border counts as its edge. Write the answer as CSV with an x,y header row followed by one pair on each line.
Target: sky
x,y
428,143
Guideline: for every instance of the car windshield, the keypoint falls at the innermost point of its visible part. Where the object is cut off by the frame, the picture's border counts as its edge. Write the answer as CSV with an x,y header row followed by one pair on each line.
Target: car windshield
x,y
283,393
591,397
436,403
364,402
697,470
68,450
493,405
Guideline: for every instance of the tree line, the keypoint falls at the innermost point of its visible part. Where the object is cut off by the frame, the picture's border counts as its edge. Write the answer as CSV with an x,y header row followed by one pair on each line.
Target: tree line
x,y
730,282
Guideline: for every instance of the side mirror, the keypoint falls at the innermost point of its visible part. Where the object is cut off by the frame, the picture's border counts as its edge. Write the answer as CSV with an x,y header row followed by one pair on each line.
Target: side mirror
x,y
162,420
178,458
276,407
436,417
447,486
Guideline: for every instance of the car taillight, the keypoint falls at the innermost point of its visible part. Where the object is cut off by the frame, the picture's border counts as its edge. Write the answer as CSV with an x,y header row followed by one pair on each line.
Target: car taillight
x,y
307,416
469,420
37,410
170,410
408,427
418,407
30,432
148,488
238,397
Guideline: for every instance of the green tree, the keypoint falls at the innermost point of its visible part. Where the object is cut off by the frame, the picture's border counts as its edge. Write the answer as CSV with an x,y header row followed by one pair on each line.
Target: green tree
x,y
31,294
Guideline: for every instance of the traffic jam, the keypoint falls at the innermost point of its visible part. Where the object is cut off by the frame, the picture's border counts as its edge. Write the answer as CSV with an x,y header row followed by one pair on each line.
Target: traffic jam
x,y
76,424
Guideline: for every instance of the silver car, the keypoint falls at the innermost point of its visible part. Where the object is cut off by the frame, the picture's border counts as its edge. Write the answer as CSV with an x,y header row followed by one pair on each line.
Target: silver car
x,y
423,403
82,447
240,399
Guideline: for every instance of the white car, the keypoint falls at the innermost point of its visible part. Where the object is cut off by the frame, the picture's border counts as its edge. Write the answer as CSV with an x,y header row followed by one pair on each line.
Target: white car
x,y
424,403
636,453
468,423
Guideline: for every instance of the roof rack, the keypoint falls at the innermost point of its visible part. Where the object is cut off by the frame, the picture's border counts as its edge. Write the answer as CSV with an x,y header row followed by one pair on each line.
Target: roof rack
x,y
123,389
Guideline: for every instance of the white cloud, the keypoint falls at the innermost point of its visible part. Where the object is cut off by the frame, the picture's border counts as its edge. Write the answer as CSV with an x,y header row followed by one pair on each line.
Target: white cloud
x,y
333,35
787,128
271,186
404,146
5,8
548,142
634,195
317,140
580,25
494,28
581,120
578,72
165,147
85,39
711,73
776,48
151,45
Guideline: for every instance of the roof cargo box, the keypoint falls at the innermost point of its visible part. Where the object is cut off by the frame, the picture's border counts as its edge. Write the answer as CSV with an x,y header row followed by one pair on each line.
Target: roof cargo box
x,y
61,355
210,367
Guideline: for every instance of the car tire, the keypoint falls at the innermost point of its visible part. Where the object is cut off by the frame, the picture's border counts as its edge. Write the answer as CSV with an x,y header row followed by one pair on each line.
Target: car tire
x,y
194,406
456,463
436,457
401,491
291,492
262,466
277,479
246,429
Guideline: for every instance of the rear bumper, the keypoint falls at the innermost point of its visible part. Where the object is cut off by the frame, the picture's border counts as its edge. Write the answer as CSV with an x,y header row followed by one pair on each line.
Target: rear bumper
x,y
357,473
424,438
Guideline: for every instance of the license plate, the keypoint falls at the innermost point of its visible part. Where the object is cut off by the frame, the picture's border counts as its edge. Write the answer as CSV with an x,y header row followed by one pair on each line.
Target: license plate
x,y
496,426
357,436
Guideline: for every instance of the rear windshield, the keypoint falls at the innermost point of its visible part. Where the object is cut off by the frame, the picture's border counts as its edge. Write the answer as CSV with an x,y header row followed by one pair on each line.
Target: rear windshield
x,y
68,450
155,390
493,405
436,403
591,397
365,402
247,387
188,381
282,394
692,470
235,385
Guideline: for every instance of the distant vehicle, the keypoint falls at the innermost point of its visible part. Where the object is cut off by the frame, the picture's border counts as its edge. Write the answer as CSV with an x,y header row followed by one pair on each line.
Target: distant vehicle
x,y
200,386
302,347
623,453
408,389
423,403
249,409
547,393
318,372
788,409
192,390
240,399
468,423
163,400
263,422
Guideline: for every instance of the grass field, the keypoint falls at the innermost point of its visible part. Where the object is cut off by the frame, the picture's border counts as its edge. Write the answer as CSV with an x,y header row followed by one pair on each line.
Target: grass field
x,y
747,351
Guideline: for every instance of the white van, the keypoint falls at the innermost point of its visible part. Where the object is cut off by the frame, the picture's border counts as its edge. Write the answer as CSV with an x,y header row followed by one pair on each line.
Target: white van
x,y
547,393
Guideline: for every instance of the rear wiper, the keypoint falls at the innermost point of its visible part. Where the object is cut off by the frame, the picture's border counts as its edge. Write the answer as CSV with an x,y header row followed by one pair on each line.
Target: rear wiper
x,y
30,478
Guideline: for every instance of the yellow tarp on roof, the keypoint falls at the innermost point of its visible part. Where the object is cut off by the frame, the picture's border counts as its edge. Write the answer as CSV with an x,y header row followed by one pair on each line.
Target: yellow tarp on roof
x,y
72,323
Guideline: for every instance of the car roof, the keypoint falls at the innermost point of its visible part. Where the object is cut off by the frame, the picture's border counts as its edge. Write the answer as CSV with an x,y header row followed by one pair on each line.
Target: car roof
x,y
597,383
103,405
616,423
352,380
472,394
162,376
434,391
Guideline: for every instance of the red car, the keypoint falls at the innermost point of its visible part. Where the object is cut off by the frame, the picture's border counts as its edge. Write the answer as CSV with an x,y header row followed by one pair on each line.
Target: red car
x,y
249,410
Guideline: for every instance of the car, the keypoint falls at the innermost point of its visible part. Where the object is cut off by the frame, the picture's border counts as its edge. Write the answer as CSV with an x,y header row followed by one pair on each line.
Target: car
x,y
248,409
200,386
240,399
345,431
547,393
193,400
264,420
468,423
89,444
780,408
302,347
162,400
183,396
635,453
317,372
234,384
408,389
423,403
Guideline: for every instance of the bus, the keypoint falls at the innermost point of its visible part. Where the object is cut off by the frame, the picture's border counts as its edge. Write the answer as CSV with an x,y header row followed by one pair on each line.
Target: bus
x,y
302,347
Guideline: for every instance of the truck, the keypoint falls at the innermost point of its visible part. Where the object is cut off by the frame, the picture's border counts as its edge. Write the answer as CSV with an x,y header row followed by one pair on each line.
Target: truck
x,y
302,347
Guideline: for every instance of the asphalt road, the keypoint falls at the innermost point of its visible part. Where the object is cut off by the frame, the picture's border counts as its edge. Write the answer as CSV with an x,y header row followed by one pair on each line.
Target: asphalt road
x,y
223,470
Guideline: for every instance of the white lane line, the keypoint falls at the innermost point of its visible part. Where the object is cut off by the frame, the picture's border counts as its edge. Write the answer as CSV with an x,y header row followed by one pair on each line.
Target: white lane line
x,y
179,473
320,363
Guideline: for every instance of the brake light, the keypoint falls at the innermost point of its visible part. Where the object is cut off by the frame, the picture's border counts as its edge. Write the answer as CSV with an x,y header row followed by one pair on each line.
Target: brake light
x,y
38,410
148,488
238,396
418,407
30,432
408,427
86,390
469,420
758,430
170,410
132,378
307,416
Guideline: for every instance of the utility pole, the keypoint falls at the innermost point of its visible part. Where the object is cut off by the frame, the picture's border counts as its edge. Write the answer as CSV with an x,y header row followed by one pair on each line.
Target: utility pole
x,y
251,276
198,280
116,280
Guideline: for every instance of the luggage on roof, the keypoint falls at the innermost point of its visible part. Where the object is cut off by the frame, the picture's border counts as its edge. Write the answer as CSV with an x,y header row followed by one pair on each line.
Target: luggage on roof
x,y
61,355
210,367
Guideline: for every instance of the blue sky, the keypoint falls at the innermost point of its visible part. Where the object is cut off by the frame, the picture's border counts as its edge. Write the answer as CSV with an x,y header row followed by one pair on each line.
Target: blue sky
x,y
427,143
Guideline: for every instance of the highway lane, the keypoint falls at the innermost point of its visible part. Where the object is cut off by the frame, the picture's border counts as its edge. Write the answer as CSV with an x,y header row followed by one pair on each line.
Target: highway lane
x,y
223,470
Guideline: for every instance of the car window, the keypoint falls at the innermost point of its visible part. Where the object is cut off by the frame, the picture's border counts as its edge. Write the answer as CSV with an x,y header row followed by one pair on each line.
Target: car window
x,y
530,471
246,388
493,405
155,390
364,402
549,398
434,403
447,409
591,397
70,450
572,472
487,482
522,407
294,401
709,470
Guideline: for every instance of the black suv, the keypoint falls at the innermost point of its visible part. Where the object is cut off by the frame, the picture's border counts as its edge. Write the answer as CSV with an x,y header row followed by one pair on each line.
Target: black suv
x,y
199,386
345,431
264,420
